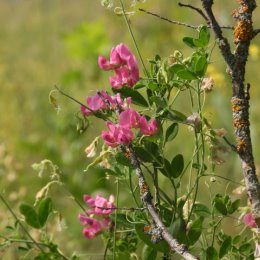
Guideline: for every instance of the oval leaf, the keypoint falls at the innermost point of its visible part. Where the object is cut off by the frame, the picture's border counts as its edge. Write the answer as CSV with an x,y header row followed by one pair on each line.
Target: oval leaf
x,y
45,208
177,165
30,215
149,253
171,132
137,98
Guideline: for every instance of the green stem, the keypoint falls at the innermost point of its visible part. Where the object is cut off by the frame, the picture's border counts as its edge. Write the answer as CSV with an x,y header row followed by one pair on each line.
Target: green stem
x,y
115,225
19,222
133,38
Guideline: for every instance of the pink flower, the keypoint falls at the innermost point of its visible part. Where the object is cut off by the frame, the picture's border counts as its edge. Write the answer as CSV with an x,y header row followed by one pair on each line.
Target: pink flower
x,y
93,226
117,135
125,65
249,220
148,128
99,205
129,118
102,100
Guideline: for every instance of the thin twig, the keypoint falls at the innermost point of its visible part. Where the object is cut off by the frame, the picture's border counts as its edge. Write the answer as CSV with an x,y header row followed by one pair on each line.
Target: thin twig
x,y
179,23
232,146
197,10
168,20
255,33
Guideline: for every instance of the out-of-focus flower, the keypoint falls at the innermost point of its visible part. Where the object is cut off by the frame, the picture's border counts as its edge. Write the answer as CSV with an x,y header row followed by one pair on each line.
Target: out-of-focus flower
x,y
124,63
148,128
99,205
129,118
207,84
194,120
91,149
221,132
117,135
93,226
249,220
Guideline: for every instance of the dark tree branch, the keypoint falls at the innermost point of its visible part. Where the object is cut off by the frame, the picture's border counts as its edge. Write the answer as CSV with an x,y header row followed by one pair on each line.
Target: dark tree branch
x,y
243,34
197,10
255,33
221,40
146,198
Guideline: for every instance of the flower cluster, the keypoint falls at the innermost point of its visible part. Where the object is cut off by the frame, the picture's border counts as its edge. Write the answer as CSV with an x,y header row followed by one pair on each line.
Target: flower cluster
x,y
124,63
122,133
99,207
103,101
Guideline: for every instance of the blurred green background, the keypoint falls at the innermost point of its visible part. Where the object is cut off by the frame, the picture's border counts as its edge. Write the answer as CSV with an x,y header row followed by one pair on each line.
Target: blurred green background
x,y
53,42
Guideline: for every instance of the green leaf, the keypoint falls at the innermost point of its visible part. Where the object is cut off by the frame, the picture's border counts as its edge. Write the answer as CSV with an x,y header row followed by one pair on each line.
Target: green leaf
x,y
220,205
201,66
204,35
189,42
153,86
234,206
161,246
122,220
45,208
143,154
30,215
195,230
177,165
165,168
201,210
175,115
212,253
225,247
245,247
120,158
178,230
177,67
171,132
159,101
149,253
186,74
137,98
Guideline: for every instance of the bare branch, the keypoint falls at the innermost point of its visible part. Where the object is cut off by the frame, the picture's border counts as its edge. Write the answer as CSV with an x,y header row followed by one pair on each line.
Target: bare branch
x,y
255,33
222,41
146,198
197,10
168,20
180,23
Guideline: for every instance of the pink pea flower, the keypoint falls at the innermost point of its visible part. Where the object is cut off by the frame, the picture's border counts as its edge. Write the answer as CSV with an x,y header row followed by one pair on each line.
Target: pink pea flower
x,y
102,100
249,220
117,135
148,128
125,65
92,226
99,205
129,118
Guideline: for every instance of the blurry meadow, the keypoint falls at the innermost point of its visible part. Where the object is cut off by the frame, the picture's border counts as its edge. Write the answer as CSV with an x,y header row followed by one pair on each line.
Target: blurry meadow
x,y
52,42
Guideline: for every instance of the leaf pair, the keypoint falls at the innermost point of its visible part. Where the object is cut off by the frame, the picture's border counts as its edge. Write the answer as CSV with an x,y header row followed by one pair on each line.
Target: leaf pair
x,y
37,219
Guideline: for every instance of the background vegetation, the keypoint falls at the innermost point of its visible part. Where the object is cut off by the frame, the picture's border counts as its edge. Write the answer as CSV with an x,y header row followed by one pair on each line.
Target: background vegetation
x,y
53,42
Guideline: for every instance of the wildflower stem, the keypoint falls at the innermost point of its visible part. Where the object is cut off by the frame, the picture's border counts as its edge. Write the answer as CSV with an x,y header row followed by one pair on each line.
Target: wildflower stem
x,y
20,223
133,37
